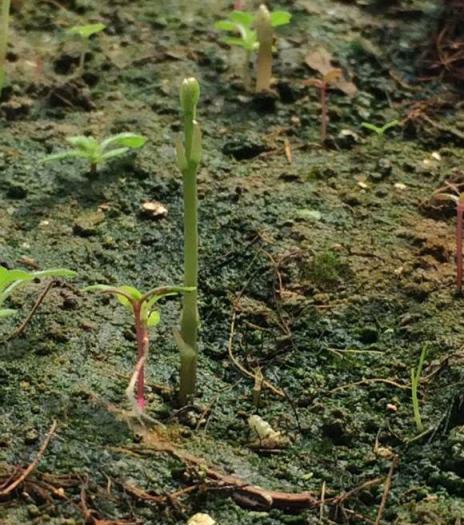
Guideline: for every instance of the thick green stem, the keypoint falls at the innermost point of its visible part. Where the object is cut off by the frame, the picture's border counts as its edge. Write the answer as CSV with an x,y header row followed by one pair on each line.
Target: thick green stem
x,y
4,23
188,340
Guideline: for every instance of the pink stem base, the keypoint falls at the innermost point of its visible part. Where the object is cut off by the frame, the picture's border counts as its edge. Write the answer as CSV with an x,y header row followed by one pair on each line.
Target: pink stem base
x,y
141,333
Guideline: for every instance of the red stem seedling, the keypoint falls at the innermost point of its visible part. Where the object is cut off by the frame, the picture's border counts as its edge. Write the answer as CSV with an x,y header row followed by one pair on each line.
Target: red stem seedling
x,y
458,198
142,307
323,85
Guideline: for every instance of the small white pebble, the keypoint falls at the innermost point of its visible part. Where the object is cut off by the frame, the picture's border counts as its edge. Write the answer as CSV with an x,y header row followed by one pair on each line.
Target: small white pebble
x,y
436,155
201,519
400,186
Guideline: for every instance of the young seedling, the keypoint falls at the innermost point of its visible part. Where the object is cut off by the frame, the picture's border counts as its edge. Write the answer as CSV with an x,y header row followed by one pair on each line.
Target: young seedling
x,y
254,32
240,23
84,33
323,85
265,23
146,316
416,374
97,153
188,157
380,131
452,192
4,24
11,280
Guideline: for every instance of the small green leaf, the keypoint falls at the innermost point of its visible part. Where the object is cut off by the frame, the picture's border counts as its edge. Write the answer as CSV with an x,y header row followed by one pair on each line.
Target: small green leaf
x,y
86,31
122,293
72,153
131,292
117,152
128,140
225,25
9,276
55,272
235,41
372,127
83,142
153,319
280,18
6,313
241,18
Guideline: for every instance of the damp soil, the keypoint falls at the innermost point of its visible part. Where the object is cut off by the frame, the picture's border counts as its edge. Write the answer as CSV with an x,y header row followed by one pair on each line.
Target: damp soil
x,y
332,261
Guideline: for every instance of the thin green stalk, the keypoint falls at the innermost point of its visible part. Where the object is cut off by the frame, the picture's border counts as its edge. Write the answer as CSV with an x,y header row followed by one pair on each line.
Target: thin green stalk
x,y
4,24
415,381
188,159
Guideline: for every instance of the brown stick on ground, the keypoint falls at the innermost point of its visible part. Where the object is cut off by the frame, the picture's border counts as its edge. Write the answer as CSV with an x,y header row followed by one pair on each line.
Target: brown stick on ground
x,y
31,314
386,489
12,486
249,496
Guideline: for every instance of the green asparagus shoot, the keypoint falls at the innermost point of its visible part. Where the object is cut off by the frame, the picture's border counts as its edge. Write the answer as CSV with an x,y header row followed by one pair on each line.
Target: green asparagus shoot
x,y
97,153
143,307
188,156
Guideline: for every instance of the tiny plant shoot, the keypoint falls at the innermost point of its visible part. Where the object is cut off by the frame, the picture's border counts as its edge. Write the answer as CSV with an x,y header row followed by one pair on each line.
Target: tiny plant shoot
x,y
240,23
11,280
264,23
84,33
380,131
457,196
254,32
146,316
323,85
4,24
188,157
97,153
416,374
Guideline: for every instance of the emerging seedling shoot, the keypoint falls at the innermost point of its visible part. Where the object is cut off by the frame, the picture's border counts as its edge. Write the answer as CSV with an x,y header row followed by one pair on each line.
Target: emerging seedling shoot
x,y
11,280
380,131
188,156
265,23
84,33
254,32
4,25
323,85
97,153
240,23
146,316
416,374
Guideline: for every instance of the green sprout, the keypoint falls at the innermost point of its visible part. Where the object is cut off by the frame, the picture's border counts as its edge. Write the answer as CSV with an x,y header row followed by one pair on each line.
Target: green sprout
x,y
97,153
11,280
84,33
4,24
146,316
380,131
188,157
247,30
415,382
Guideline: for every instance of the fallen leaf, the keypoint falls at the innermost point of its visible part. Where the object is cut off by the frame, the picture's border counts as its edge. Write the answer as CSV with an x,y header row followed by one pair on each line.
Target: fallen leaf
x,y
320,60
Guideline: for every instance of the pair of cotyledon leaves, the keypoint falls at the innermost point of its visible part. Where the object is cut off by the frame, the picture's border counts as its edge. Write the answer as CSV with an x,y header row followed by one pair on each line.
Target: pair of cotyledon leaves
x,y
97,152
242,22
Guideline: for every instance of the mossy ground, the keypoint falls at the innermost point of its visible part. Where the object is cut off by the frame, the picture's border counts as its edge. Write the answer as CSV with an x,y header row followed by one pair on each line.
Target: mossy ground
x,y
337,271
